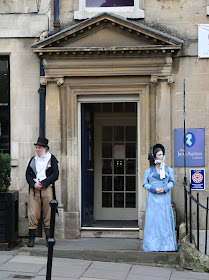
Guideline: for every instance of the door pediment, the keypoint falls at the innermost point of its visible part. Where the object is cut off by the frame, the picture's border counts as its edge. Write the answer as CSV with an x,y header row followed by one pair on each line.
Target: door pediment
x,y
108,32
107,37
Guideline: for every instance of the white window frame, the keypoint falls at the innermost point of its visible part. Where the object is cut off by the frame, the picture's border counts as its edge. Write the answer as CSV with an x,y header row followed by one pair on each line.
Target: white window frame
x,y
134,12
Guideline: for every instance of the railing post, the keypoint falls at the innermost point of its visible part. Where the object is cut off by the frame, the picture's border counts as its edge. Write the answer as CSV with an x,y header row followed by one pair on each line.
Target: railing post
x,y
185,205
190,217
198,223
51,240
206,227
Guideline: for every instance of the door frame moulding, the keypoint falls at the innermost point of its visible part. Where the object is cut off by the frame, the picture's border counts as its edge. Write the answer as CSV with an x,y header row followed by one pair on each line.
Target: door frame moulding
x,y
133,92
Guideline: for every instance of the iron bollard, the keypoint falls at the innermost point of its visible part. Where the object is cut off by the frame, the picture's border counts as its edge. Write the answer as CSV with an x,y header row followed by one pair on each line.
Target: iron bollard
x,y
51,240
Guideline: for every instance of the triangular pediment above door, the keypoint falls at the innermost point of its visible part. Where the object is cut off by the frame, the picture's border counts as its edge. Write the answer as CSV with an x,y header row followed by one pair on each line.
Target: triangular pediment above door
x,y
107,31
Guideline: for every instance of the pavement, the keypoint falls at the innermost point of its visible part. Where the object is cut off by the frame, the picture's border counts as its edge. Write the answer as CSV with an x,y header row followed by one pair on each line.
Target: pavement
x,y
21,267
93,259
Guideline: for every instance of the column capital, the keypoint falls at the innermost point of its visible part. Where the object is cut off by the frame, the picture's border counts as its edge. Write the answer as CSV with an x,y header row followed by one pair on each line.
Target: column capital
x,y
156,78
45,80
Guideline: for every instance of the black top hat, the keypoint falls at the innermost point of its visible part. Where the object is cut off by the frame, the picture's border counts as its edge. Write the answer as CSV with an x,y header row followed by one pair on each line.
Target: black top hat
x,y
42,141
151,152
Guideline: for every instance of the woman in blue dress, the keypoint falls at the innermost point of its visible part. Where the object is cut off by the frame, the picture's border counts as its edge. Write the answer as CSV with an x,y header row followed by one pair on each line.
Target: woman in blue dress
x,y
159,229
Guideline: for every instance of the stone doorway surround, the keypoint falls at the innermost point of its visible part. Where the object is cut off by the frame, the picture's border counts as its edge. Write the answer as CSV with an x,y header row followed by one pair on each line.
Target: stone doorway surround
x,y
104,55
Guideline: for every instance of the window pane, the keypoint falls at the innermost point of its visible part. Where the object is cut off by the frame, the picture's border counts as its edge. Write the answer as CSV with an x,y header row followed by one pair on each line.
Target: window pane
x,y
97,107
131,150
107,133
106,199
130,107
119,133
106,107
119,166
131,133
119,200
118,107
109,3
107,150
130,183
131,200
118,183
4,105
107,166
4,79
106,183
4,129
130,166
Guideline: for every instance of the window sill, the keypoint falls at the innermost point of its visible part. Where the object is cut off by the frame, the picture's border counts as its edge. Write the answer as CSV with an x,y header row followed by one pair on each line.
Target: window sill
x,y
136,14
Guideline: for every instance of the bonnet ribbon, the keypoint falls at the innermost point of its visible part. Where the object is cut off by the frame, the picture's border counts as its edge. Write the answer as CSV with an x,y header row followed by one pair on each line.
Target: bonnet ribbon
x,y
162,168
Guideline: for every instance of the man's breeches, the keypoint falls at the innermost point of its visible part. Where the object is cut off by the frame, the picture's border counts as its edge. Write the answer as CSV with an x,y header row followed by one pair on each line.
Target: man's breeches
x,y
34,207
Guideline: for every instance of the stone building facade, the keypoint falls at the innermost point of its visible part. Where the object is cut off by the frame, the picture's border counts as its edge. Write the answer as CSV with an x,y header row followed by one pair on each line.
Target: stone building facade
x,y
113,78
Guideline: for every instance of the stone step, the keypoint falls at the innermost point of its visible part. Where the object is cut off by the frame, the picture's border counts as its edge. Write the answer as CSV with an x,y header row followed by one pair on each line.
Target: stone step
x,y
92,251
96,232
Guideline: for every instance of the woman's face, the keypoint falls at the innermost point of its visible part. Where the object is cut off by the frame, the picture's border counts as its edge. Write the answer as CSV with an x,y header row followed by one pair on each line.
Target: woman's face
x,y
160,156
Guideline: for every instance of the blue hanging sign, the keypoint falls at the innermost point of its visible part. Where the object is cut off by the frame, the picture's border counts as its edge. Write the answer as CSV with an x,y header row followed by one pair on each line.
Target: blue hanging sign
x,y
194,147
197,179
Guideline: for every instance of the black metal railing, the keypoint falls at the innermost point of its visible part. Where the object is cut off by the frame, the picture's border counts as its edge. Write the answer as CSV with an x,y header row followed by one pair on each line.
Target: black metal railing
x,y
189,224
51,241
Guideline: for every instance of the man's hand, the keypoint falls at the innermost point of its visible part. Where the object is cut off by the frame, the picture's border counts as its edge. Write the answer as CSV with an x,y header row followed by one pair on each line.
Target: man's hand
x,y
38,186
159,190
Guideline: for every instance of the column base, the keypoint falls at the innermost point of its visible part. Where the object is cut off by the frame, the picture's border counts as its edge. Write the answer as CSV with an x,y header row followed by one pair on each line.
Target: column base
x,y
72,225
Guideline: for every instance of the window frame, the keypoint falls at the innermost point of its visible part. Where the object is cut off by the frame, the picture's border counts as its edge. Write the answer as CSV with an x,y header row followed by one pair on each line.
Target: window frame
x,y
134,12
6,57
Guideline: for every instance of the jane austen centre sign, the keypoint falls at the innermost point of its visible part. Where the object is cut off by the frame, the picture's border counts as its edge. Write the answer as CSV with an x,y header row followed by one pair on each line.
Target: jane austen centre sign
x,y
194,147
203,40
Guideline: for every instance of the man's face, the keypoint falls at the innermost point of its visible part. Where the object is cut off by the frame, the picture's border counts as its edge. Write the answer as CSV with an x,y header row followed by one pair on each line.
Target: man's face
x,y
39,150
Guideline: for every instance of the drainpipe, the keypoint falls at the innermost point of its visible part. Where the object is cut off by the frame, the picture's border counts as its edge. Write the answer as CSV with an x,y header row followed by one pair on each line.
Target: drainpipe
x,y
42,92
42,89
56,17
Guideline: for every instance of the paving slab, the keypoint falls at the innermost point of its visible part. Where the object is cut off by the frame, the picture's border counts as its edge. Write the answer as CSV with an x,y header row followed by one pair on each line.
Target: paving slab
x,y
74,269
4,274
190,275
28,260
5,258
179,278
65,270
110,266
146,277
105,274
55,278
151,271
24,264
17,267
84,278
75,262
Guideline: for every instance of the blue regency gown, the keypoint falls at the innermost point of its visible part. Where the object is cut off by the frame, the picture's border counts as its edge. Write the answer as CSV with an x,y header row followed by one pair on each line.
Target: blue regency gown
x,y
159,229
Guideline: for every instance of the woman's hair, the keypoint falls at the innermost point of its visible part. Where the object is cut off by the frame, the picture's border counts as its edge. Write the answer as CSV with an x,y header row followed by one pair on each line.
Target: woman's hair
x,y
156,150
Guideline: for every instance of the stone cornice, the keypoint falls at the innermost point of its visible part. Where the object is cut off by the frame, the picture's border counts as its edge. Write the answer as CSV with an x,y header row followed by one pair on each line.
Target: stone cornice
x,y
141,50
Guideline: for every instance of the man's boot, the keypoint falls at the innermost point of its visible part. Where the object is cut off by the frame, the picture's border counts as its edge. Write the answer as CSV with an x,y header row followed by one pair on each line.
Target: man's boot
x,y
47,230
32,236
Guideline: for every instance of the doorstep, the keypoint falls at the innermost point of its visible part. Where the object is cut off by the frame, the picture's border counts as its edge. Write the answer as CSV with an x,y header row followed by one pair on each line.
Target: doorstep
x,y
102,232
103,249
